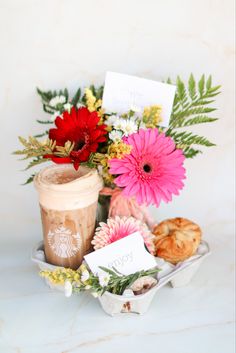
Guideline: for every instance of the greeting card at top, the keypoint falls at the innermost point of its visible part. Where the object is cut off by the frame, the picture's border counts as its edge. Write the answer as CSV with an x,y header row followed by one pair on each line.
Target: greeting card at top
x,y
124,92
127,255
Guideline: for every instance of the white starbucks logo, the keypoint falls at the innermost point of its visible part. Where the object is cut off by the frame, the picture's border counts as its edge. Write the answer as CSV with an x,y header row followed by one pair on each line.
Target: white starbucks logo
x,y
63,243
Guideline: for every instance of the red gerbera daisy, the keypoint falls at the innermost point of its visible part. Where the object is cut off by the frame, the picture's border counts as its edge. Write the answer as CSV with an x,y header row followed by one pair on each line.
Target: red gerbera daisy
x,y
81,127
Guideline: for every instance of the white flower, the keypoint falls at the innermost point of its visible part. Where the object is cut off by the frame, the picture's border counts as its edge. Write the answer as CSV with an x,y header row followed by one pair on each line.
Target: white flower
x,y
79,105
68,288
118,123
104,279
57,100
128,126
55,115
135,108
111,120
68,107
94,294
88,286
84,276
115,135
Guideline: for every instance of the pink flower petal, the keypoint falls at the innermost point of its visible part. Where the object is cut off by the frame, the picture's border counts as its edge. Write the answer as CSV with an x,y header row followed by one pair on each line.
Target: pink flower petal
x,y
166,173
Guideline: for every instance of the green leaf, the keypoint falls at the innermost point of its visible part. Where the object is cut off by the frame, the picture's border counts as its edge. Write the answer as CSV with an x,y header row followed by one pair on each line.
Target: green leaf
x,y
208,83
198,140
188,138
30,179
201,85
66,94
200,119
44,121
192,87
45,96
191,152
201,102
76,97
48,110
35,162
111,272
99,92
180,89
93,89
41,135
214,89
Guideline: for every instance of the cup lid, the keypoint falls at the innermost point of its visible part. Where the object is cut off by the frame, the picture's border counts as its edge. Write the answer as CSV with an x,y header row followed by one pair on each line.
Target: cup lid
x,y
64,178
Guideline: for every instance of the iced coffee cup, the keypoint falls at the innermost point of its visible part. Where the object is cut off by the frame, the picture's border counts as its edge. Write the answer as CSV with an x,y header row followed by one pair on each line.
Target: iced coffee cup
x,y
68,202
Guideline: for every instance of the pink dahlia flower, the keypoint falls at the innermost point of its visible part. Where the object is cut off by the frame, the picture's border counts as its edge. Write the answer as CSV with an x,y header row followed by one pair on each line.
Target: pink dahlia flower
x,y
153,171
118,228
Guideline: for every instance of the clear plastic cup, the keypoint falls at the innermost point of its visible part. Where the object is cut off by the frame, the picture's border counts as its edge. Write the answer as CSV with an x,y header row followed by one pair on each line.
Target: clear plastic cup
x,y
68,202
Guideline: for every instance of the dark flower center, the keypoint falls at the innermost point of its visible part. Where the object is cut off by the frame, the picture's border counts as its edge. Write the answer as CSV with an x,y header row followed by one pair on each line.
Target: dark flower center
x,y
147,168
79,145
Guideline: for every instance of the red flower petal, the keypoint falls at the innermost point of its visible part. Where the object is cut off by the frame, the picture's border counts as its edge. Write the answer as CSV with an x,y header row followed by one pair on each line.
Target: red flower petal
x,y
81,127
61,160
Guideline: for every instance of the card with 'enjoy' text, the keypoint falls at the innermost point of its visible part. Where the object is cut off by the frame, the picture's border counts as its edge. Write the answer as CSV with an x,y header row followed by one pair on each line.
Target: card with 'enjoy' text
x,y
127,255
123,92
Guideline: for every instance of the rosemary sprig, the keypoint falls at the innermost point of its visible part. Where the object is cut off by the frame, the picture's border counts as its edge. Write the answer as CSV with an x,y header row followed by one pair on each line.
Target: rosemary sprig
x,y
119,282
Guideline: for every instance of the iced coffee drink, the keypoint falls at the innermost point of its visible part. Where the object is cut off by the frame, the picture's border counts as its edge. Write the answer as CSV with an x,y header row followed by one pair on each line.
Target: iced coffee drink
x,y
68,202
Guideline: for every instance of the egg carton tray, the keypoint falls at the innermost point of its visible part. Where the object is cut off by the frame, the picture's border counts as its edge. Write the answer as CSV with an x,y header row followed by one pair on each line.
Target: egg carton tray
x,y
178,275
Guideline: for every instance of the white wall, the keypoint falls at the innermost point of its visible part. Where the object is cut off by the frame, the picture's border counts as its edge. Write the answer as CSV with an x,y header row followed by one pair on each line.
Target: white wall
x,y
57,43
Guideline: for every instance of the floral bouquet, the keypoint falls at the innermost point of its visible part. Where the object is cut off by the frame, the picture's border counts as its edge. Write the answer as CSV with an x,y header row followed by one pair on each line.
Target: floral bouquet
x,y
141,163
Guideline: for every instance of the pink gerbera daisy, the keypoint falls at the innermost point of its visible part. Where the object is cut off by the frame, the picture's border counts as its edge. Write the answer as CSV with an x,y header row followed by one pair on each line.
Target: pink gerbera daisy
x,y
118,228
153,171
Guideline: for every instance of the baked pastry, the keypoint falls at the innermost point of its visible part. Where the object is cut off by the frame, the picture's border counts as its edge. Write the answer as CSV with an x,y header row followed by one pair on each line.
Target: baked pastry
x,y
176,239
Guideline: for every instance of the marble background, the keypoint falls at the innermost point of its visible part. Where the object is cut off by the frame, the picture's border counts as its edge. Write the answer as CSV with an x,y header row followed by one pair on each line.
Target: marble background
x,y
57,43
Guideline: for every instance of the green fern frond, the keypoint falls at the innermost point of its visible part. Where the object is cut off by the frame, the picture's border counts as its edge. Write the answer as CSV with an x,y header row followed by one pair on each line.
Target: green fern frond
x,y
190,152
186,138
200,119
192,106
192,101
35,162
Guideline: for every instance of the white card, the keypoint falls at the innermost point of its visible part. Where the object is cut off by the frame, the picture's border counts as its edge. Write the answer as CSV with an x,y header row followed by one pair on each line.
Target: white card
x,y
122,92
128,255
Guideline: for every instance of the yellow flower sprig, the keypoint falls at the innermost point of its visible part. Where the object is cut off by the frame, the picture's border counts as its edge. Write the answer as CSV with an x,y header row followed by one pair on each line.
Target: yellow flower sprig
x,y
152,116
94,104
116,150
60,275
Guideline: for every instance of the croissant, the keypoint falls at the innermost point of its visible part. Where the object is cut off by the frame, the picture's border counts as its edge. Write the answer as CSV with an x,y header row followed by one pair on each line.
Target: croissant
x,y
176,239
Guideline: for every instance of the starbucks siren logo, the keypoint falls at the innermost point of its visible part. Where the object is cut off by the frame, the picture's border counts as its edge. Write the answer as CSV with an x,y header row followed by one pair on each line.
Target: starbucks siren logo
x,y
63,243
